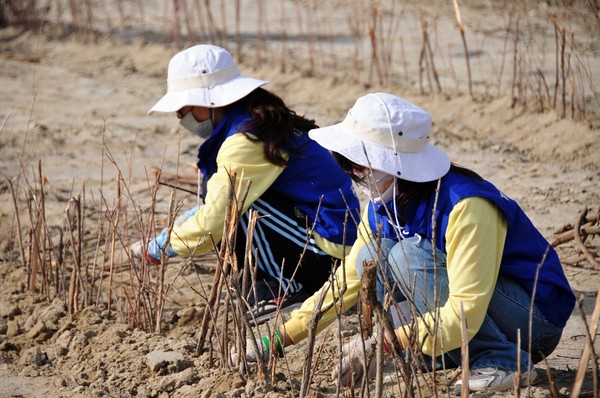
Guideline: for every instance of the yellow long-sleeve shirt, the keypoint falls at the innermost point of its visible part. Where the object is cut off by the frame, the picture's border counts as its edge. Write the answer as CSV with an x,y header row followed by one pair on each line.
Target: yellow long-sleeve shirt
x,y
474,243
245,158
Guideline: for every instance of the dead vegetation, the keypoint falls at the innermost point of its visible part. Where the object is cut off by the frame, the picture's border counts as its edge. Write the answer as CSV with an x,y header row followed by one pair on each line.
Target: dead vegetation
x,y
82,260
371,39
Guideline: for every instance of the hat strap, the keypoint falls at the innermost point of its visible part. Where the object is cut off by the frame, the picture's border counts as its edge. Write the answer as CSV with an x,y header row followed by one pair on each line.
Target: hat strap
x,y
202,81
379,137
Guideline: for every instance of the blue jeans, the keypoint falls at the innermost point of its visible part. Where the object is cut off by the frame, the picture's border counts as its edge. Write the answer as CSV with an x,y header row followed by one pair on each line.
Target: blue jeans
x,y
406,269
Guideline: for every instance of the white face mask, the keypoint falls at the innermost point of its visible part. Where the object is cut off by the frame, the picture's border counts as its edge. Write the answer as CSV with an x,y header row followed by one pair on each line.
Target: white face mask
x,y
201,129
374,185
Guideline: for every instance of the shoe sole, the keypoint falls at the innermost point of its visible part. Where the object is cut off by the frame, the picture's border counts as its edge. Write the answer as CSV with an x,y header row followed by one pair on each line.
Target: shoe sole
x,y
535,379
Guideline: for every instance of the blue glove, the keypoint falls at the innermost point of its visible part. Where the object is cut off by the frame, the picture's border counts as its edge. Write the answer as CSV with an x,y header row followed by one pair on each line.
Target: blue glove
x,y
191,212
156,245
183,217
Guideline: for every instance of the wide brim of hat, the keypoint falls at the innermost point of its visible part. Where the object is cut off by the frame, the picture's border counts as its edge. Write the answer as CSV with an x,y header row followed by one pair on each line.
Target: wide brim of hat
x,y
427,165
216,96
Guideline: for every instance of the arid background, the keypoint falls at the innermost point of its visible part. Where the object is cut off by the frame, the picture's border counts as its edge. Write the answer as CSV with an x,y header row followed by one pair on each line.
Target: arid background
x,y
78,318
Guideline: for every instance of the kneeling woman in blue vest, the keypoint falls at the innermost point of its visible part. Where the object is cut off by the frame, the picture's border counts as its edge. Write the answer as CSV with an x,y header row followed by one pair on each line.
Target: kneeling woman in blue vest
x,y
443,239
449,239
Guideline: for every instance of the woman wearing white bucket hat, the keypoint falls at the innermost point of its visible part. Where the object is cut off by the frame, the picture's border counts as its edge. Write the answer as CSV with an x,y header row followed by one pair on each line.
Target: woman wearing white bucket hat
x,y
450,240
443,239
249,132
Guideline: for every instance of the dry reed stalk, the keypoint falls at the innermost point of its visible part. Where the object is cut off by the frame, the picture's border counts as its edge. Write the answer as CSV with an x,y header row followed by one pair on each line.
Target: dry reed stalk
x,y
368,295
595,8
436,326
373,40
284,38
503,61
427,56
88,278
32,267
221,332
113,241
76,247
232,278
556,60
423,60
563,76
551,384
242,328
543,90
516,80
570,77
90,20
212,29
224,20
408,368
142,15
238,41
318,310
208,315
186,18
390,41
355,28
530,328
464,41
197,13
260,34
383,319
312,331
46,236
13,194
517,378
59,21
588,351
121,14
175,31
303,30
380,358
464,354
36,238
434,71
75,20
164,261
234,204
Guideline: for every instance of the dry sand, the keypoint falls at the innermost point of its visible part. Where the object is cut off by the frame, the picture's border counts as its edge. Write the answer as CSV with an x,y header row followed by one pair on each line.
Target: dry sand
x,y
75,107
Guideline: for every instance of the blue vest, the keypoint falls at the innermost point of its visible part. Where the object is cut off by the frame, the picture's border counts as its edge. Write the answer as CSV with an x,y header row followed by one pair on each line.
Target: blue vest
x,y
524,248
312,179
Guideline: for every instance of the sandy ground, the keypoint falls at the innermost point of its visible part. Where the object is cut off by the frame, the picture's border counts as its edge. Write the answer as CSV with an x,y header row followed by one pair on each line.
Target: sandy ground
x,y
81,111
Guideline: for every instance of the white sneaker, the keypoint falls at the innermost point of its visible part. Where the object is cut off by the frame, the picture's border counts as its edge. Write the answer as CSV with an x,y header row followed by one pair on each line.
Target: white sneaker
x,y
493,379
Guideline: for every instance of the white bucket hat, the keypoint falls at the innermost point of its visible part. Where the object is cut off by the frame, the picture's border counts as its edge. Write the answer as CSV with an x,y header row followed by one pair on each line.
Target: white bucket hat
x,y
386,133
204,75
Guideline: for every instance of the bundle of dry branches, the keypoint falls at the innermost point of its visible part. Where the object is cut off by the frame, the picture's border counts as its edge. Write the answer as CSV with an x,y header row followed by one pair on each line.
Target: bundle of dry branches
x,y
586,225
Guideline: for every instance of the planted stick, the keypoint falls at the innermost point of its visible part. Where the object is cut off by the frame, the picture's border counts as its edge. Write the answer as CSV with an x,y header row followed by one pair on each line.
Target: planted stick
x,y
464,353
517,379
464,41
18,218
587,350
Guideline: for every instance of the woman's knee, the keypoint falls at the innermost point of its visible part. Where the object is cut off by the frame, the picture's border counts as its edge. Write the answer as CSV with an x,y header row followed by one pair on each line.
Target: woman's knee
x,y
414,254
545,345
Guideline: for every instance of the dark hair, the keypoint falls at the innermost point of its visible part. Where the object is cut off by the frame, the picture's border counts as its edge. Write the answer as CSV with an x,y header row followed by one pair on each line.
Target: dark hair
x,y
273,123
408,191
